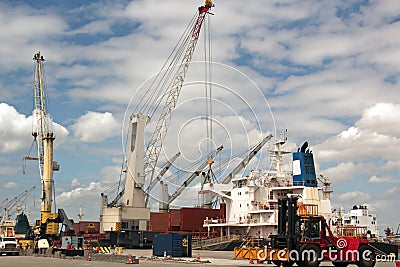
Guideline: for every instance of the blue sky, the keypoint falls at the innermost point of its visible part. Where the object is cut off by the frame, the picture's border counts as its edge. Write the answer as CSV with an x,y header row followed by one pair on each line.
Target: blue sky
x,y
328,71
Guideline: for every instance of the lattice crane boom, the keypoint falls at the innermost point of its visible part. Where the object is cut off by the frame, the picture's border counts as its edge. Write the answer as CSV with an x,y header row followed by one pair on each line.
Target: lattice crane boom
x,y
246,160
156,141
196,173
15,202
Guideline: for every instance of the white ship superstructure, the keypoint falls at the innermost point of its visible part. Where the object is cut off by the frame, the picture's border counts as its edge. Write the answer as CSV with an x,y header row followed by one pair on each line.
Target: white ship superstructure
x,y
252,201
359,216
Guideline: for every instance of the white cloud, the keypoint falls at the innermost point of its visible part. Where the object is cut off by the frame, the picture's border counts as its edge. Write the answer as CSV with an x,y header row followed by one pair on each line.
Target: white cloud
x,y
377,180
95,127
354,197
10,185
89,194
344,171
381,118
17,25
16,129
372,136
394,191
75,183
79,192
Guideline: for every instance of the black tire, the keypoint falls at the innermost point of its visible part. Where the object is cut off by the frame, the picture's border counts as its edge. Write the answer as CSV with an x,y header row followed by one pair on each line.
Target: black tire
x,y
309,256
340,264
366,257
284,263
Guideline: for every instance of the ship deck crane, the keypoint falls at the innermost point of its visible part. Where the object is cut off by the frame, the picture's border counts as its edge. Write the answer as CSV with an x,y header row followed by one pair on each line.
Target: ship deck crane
x,y
166,199
246,160
207,199
16,202
164,169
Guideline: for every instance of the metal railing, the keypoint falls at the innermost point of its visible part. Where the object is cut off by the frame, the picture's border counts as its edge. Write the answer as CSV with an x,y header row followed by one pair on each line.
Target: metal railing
x,y
200,244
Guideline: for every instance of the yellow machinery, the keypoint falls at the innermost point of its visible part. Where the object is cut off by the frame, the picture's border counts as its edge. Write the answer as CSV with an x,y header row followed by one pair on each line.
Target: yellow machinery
x,y
45,138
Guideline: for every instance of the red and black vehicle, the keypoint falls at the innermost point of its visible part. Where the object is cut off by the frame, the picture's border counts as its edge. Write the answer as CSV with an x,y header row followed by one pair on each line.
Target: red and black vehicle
x,y
305,238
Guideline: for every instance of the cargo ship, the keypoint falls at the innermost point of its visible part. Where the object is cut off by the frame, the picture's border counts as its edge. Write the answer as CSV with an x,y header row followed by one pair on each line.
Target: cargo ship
x,y
251,202
248,206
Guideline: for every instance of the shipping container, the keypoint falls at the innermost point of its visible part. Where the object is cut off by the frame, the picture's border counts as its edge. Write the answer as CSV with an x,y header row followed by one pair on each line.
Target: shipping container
x,y
159,222
192,218
86,227
129,239
175,245
184,220
174,220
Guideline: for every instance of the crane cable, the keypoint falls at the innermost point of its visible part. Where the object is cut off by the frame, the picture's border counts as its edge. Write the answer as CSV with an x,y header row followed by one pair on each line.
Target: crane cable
x,y
27,155
149,103
154,94
207,81
184,40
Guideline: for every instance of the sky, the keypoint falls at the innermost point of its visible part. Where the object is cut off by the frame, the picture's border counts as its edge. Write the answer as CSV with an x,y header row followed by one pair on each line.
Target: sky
x,y
327,71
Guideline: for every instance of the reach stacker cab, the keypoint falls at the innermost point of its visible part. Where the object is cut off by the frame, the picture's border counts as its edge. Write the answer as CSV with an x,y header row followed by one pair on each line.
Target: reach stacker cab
x,y
305,238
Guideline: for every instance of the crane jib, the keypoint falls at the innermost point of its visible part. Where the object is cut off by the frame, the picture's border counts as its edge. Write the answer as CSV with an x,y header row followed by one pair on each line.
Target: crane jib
x,y
202,12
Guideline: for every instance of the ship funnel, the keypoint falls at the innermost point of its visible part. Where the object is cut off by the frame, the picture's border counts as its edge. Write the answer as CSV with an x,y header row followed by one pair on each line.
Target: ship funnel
x,y
303,167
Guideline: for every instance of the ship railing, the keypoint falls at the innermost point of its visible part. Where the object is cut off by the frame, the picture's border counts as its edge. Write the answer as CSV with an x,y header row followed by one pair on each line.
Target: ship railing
x,y
298,183
351,231
213,221
307,209
267,206
214,241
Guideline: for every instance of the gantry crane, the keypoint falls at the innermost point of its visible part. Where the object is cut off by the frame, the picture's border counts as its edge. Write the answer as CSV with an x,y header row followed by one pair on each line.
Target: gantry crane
x,y
141,161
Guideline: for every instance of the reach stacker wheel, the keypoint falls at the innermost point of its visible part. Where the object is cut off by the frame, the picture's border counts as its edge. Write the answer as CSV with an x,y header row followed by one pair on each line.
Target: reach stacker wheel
x,y
309,256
